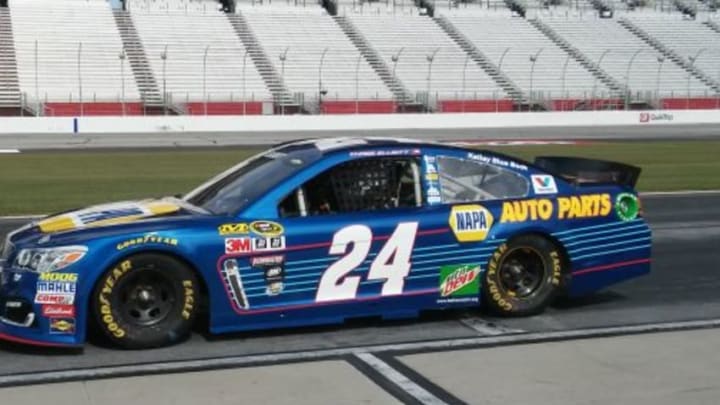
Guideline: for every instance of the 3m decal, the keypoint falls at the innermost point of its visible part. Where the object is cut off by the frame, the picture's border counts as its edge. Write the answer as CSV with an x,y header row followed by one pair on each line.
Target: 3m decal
x,y
237,245
233,229
58,311
470,223
459,281
543,209
64,326
392,263
266,228
147,239
627,206
543,184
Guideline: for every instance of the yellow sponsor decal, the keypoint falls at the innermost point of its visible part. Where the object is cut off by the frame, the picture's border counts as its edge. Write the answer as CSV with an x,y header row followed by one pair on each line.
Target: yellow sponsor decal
x,y
470,223
526,210
431,177
584,206
543,209
107,214
163,240
65,277
62,325
267,228
233,229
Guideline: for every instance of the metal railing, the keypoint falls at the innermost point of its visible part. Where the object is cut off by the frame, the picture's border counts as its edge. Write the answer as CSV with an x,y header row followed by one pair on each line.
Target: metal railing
x,y
223,77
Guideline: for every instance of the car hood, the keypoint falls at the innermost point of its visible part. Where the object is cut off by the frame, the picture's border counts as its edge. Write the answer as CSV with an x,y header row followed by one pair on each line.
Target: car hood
x,y
109,214
99,219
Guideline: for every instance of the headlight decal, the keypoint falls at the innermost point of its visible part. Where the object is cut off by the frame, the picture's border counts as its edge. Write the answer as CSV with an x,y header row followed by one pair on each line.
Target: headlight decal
x,y
45,260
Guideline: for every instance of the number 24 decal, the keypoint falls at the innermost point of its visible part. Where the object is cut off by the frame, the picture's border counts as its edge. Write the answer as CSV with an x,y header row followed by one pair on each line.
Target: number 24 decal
x,y
392,263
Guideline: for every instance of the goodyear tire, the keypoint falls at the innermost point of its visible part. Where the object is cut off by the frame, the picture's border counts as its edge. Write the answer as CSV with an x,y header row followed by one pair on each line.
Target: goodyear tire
x,y
523,276
147,300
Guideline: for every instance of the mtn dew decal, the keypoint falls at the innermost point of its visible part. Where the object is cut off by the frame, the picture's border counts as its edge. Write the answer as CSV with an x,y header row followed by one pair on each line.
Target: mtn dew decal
x,y
459,283
627,206
106,214
470,223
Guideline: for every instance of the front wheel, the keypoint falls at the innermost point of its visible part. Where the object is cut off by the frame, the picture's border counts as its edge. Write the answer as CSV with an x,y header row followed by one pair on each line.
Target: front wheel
x,y
147,300
523,276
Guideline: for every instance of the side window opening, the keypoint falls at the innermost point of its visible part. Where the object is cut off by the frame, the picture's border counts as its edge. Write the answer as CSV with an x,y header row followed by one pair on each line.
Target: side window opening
x,y
358,185
466,180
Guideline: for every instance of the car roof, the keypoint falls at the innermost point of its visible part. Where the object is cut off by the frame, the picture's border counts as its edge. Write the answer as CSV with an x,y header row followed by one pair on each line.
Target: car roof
x,y
335,144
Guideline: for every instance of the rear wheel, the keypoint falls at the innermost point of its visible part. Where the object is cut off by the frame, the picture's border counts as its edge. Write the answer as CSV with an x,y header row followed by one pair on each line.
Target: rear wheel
x,y
523,276
147,300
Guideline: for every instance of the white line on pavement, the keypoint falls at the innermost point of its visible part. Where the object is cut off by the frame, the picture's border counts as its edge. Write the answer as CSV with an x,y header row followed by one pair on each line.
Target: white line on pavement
x,y
9,151
399,379
41,377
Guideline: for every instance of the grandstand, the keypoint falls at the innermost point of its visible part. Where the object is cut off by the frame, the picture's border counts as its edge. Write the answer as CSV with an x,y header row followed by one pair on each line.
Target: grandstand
x,y
69,58
98,57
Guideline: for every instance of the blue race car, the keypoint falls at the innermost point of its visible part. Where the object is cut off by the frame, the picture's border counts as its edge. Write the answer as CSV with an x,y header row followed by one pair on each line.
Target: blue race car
x,y
319,231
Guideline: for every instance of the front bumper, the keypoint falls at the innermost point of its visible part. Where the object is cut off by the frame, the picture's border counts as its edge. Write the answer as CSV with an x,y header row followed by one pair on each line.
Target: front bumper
x,y
23,319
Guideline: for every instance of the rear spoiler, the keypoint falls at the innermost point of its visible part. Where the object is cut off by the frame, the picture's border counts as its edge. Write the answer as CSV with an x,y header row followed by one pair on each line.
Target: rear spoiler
x,y
580,171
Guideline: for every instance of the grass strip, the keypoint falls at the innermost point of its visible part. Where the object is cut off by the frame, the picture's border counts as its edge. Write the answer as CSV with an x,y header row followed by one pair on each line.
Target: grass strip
x,y
43,182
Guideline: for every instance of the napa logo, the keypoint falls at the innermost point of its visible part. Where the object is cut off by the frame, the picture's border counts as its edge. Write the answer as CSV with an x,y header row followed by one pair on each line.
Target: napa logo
x,y
470,223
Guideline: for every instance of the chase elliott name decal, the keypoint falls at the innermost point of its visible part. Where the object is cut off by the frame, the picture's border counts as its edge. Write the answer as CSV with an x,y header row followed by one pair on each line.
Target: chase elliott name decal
x,y
470,223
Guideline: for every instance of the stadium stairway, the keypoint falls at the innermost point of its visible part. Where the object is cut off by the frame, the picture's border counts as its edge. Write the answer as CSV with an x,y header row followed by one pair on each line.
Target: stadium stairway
x,y
10,98
581,58
147,85
713,25
511,89
670,54
274,82
402,95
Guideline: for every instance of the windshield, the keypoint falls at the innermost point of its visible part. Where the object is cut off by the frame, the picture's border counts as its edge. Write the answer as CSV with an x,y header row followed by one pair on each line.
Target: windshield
x,y
237,187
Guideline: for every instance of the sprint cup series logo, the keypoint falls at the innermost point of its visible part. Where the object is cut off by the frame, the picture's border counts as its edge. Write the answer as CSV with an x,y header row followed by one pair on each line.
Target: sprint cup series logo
x,y
459,283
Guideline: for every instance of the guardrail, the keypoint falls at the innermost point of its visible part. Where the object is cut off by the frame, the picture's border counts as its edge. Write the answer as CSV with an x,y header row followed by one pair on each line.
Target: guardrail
x,y
350,122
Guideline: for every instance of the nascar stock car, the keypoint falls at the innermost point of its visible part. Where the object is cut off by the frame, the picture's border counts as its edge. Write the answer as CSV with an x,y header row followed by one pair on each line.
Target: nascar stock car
x,y
319,231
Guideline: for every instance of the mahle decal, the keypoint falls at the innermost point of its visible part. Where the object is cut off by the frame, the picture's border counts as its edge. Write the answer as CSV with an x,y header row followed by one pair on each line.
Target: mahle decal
x,y
459,280
470,223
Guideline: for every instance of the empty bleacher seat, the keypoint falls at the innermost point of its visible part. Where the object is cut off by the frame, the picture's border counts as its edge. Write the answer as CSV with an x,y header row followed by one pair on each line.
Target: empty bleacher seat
x,y
294,40
426,58
197,56
69,51
513,43
649,71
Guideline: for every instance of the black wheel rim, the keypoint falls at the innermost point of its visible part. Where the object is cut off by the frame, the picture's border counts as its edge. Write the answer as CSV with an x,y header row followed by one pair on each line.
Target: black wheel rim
x,y
522,272
145,298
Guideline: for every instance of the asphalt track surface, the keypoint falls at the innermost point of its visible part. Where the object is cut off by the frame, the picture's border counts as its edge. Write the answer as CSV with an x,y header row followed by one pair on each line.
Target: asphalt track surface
x,y
160,139
683,286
